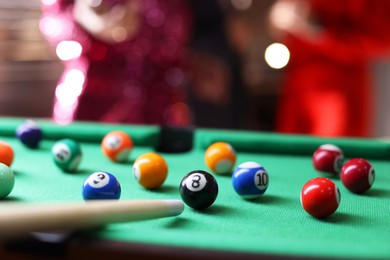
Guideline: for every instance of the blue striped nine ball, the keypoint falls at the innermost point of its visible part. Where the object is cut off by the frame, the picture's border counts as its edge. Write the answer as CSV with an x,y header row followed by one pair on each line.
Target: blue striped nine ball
x,y
250,180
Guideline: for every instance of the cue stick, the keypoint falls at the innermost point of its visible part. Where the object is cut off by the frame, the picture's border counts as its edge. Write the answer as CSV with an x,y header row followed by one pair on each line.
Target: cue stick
x,y
19,218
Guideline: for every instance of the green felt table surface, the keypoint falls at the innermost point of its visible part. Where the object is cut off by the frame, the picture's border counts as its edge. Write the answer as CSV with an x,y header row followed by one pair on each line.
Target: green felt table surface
x,y
274,224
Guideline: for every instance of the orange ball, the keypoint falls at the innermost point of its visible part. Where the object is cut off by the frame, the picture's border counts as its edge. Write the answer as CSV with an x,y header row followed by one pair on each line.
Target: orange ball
x,y
150,170
220,157
6,153
117,146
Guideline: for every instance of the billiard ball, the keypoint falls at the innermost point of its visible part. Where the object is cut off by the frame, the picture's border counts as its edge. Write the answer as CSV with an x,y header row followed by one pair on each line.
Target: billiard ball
x,y
117,146
198,189
220,158
328,158
357,175
150,170
250,180
101,186
6,153
7,180
29,133
320,197
67,154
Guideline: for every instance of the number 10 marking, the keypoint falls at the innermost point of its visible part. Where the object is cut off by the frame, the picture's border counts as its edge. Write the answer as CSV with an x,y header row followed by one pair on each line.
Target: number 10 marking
x,y
261,179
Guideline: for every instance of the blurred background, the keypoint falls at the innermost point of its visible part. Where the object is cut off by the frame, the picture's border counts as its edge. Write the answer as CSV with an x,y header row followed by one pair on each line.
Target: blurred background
x,y
29,70
233,77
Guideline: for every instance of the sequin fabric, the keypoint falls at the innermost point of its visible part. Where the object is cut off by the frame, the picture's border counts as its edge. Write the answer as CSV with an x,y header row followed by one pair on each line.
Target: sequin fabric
x,y
139,80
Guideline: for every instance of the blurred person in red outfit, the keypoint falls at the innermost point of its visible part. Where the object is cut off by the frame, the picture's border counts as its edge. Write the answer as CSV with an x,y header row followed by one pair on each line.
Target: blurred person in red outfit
x,y
328,90
123,59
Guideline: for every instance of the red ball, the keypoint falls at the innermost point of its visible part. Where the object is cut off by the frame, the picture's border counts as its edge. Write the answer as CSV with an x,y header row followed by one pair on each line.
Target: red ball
x,y
320,197
328,158
357,175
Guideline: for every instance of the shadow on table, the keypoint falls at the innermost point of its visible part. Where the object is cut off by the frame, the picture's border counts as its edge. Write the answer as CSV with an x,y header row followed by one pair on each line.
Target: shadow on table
x,y
270,199
375,192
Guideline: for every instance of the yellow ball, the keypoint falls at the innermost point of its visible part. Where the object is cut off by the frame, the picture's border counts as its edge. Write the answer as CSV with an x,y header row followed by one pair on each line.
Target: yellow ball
x,y
150,170
220,157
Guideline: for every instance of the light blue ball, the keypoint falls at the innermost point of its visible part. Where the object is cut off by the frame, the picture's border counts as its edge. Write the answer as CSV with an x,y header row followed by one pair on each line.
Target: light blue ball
x,y
250,180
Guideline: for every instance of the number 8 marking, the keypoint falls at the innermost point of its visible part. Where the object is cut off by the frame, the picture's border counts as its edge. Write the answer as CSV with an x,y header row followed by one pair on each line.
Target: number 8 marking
x,y
195,182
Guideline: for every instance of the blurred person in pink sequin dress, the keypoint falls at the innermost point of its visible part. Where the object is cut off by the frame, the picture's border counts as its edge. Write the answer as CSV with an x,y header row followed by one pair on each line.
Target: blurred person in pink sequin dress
x,y
123,59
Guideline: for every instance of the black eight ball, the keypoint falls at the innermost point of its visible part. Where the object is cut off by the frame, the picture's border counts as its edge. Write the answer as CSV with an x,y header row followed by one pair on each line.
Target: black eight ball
x,y
198,189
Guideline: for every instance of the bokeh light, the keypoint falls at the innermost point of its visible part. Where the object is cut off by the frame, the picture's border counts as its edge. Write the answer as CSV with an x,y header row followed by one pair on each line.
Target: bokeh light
x,y
63,115
67,93
174,77
241,4
51,27
286,14
48,2
68,50
277,55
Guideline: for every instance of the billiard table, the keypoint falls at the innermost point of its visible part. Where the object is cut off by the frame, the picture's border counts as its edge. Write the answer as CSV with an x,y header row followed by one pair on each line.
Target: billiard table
x,y
272,226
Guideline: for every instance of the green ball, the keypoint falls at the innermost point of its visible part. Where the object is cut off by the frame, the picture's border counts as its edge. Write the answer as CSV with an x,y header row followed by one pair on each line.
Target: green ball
x,y
7,180
67,155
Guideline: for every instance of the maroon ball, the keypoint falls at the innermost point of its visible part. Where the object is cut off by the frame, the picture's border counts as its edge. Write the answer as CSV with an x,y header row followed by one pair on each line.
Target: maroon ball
x,y
328,158
357,175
